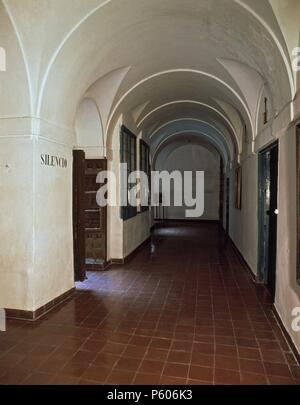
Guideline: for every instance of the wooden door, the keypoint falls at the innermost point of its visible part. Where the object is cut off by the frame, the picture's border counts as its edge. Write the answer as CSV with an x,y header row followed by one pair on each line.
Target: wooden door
x,y
95,217
298,199
267,216
221,196
272,254
227,204
78,214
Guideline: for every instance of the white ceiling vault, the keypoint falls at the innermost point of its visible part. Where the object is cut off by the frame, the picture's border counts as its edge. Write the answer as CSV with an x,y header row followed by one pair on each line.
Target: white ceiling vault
x,y
205,62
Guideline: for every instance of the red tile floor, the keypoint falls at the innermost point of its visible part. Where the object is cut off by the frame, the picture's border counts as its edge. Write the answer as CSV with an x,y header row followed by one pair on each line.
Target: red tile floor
x,y
183,311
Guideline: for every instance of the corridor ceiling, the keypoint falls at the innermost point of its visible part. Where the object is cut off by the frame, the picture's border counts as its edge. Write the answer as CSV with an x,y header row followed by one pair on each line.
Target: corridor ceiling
x,y
172,65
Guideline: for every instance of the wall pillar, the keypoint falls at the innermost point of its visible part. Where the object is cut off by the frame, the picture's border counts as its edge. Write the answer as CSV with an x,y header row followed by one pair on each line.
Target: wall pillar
x,y
36,255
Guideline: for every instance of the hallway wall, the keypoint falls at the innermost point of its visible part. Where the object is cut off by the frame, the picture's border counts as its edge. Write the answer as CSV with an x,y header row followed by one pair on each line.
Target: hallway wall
x,y
36,256
243,228
244,223
124,236
16,212
287,289
53,225
135,231
193,157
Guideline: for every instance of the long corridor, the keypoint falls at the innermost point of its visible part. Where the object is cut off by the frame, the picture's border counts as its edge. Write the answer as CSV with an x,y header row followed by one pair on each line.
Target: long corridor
x,y
184,310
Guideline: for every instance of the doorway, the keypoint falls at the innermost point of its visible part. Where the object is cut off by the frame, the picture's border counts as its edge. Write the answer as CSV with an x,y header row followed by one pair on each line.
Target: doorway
x,y
89,219
221,202
227,205
267,217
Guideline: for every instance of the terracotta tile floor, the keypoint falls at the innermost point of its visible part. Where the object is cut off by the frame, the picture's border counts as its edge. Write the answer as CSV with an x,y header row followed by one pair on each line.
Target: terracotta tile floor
x,y
183,311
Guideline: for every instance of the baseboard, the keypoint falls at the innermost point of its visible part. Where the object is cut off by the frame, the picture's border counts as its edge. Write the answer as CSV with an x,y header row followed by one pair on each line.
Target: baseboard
x,y
97,267
130,256
34,315
192,220
243,261
116,261
256,281
286,335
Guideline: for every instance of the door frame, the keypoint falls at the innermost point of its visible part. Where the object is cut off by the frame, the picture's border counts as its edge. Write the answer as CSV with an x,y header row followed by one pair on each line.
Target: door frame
x,y
78,179
79,219
95,267
298,198
221,193
264,247
227,203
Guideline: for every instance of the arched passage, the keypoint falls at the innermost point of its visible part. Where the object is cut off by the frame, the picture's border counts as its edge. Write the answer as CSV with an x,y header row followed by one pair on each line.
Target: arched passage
x,y
168,71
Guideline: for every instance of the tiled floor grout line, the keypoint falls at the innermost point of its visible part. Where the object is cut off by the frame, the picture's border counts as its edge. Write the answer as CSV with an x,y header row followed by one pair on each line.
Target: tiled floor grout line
x,y
146,351
214,330
169,350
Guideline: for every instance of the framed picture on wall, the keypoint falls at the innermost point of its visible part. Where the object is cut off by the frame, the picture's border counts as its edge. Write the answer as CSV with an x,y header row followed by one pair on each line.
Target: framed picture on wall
x,y
298,200
238,188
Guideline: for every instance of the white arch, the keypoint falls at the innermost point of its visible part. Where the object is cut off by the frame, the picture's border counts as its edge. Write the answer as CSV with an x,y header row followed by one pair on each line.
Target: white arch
x,y
93,11
26,64
90,97
165,72
191,102
57,51
277,43
183,119
192,119
88,124
212,141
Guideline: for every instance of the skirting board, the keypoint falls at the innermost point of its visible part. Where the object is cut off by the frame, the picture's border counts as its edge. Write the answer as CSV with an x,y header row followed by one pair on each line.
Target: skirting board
x,y
243,261
188,221
131,255
286,335
280,323
34,315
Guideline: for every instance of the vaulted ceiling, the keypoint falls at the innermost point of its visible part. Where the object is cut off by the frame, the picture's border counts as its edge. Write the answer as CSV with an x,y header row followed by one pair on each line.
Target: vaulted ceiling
x,y
175,64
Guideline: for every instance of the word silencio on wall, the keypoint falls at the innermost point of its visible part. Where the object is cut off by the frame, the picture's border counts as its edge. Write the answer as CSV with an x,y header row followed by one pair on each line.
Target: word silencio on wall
x,y
54,161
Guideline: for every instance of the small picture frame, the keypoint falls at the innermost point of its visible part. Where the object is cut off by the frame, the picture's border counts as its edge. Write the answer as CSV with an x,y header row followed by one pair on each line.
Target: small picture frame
x,y
238,187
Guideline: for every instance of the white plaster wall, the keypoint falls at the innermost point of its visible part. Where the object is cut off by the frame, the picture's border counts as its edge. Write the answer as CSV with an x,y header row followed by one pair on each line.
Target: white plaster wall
x,y
135,231
287,289
243,226
53,225
192,157
89,132
296,104
14,86
16,219
114,222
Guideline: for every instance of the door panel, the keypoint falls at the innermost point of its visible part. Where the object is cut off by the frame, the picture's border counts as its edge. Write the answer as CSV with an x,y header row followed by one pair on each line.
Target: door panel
x,y
268,193
221,198
227,204
95,216
273,222
79,215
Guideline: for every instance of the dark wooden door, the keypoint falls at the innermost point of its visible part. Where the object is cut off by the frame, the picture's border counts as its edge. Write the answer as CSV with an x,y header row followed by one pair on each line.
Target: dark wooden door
x,y
298,200
227,204
272,252
221,198
95,216
268,193
79,214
